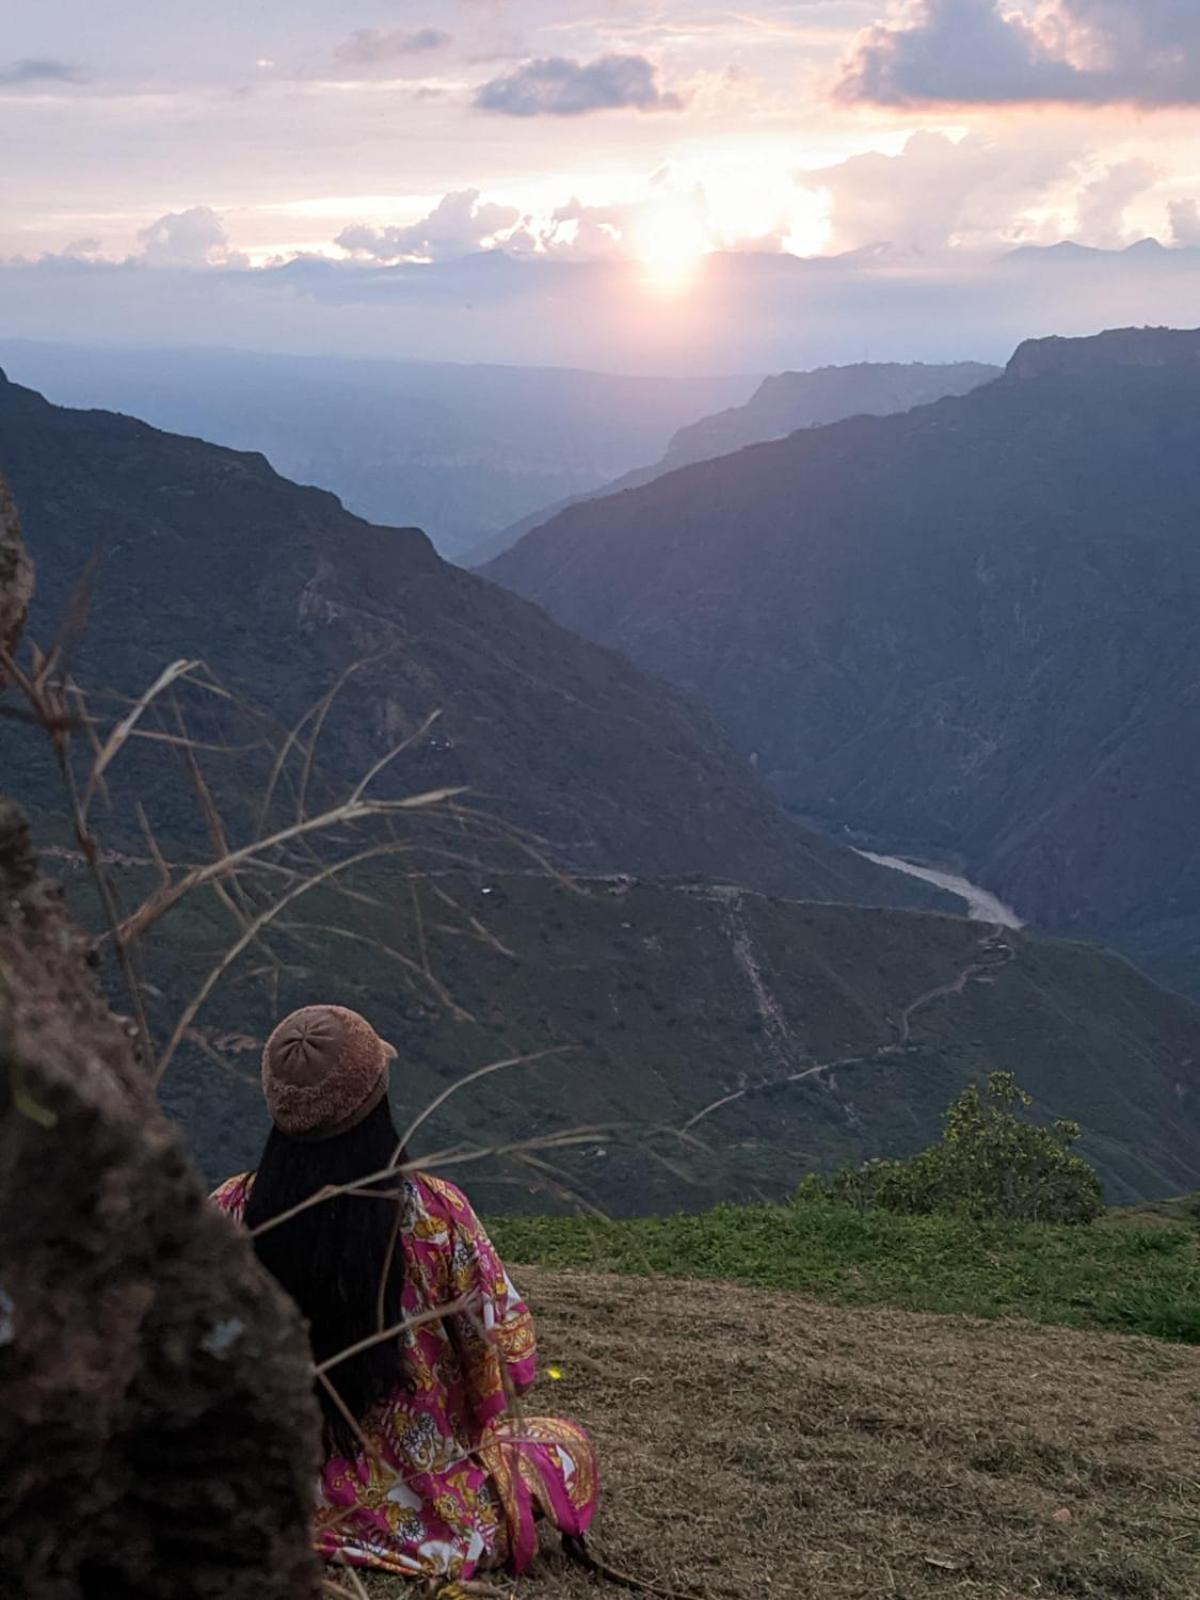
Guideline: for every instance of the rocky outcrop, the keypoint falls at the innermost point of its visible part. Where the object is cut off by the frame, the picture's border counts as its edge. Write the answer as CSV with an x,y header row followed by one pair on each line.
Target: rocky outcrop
x,y
157,1429
1118,347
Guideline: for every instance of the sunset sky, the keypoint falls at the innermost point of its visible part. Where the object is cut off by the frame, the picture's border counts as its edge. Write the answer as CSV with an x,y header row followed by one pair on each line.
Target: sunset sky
x,y
163,134
653,128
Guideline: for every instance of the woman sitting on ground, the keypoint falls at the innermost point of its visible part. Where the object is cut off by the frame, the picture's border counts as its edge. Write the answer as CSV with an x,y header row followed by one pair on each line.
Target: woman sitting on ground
x,y
427,1473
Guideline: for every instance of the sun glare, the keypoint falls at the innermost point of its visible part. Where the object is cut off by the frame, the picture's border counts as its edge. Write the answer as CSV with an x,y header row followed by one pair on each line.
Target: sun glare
x,y
670,241
810,227
726,209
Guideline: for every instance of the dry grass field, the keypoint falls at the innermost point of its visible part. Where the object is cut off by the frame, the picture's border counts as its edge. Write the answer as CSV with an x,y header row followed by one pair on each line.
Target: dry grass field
x,y
757,1443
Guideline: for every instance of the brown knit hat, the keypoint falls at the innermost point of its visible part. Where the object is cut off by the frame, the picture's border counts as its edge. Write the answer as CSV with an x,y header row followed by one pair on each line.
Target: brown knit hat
x,y
324,1070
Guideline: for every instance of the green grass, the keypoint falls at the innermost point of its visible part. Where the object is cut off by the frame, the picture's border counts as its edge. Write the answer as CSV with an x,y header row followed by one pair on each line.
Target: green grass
x,y
1121,1273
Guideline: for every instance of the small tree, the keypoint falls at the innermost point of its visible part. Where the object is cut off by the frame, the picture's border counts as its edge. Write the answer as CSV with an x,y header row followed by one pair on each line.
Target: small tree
x,y
988,1164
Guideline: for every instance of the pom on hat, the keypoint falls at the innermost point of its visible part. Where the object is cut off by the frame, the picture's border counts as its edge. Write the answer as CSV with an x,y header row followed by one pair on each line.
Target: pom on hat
x,y
324,1070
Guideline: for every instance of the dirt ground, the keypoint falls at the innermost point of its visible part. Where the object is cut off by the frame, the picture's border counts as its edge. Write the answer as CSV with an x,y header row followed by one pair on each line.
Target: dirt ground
x,y
757,1444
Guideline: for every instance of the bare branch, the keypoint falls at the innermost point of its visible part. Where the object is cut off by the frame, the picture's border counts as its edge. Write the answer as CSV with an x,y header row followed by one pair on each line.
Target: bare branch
x,y
420,1320
89,726
419,918
249,933
457,1155
559,1184
156,855
291,741
422,972
368,1448
405,744
423,1117
115,740
162,901
74,619
319,712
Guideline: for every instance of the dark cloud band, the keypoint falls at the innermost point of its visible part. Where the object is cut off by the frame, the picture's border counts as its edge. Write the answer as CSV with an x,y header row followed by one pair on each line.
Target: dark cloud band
x,y
556,86
1139,52
39,69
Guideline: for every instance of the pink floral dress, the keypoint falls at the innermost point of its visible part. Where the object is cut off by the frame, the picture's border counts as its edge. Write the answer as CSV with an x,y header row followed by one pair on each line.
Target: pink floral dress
x,y
455,1472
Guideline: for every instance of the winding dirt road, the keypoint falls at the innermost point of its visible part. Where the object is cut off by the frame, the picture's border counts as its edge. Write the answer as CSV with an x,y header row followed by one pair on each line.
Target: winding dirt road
x,y
997,952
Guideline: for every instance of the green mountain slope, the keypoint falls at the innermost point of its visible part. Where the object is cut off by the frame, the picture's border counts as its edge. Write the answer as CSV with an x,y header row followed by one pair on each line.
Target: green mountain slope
x,y
211,554
968,630
780,1036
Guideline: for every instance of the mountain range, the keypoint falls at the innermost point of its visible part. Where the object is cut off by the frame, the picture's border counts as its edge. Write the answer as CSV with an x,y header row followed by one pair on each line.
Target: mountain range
x,y
780,405
460,450
211,554
967,632
740,1037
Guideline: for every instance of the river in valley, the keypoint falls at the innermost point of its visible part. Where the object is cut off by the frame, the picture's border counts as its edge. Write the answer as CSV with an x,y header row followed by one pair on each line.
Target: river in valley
x,y
982,906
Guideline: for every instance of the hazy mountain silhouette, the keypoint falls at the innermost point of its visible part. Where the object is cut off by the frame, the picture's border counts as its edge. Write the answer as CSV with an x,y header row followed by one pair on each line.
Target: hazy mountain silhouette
x,y
458,450
779,406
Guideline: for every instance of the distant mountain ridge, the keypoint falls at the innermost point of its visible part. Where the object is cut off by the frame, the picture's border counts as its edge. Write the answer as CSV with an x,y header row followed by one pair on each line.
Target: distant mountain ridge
x,y
792,400
212,555
780,405
970,629
1100,356
456,450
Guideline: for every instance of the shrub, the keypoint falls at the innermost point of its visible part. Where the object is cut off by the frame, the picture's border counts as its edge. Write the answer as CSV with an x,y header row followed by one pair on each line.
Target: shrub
x,y
988,1164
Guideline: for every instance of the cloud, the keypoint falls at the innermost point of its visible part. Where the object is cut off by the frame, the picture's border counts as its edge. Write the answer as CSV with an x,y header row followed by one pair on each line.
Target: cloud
x,y
86,249
590,232
1102,203
39,69
937,193
1184,217
555,86
380,47
1089,52
457,225
564,313
192,238
575,231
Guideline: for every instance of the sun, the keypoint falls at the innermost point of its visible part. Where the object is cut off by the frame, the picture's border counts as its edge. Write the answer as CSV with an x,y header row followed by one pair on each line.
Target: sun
x,y
670,241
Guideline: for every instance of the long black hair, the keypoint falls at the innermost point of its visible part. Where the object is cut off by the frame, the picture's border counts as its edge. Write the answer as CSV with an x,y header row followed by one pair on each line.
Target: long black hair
x,y
332,1258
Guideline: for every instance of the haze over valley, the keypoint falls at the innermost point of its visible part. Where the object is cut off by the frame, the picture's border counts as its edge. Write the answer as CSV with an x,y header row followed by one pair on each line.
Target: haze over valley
x,y
459,450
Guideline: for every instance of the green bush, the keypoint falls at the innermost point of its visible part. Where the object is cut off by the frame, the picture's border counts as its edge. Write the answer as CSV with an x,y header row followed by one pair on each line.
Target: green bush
x,y
988,1165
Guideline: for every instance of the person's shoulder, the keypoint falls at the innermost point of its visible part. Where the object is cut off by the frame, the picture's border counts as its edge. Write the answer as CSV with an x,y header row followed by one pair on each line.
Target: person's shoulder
x,y
231,1196
443,1198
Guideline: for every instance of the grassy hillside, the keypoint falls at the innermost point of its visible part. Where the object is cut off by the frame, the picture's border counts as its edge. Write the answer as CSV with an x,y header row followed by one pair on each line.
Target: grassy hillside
x,y
737,1042
754,1443
1129,1274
